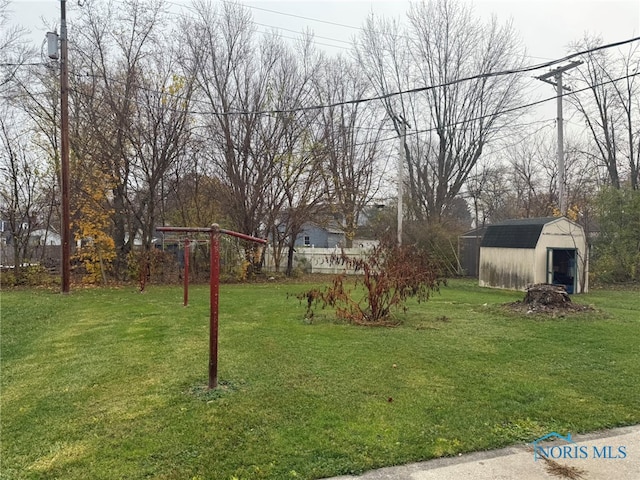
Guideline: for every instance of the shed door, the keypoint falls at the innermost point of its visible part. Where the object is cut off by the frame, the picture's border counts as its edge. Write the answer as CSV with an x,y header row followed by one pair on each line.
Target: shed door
x,y
561,268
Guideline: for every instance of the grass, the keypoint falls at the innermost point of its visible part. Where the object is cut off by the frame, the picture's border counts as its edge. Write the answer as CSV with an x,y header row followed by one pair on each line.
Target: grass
x,y
108,384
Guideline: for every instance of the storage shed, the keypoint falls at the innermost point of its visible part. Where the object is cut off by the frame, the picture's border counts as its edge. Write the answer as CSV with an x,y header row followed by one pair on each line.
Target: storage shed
x,y
518,253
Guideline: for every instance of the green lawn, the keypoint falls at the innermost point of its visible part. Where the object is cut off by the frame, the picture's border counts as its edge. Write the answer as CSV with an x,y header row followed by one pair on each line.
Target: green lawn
x,y
107,384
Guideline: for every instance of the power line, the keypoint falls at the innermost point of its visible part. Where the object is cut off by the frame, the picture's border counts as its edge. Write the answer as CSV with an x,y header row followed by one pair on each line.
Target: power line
x,y
480,76
429,87
510,110
414,132
29,64
273,27
421,89
313,34
465,79
335,24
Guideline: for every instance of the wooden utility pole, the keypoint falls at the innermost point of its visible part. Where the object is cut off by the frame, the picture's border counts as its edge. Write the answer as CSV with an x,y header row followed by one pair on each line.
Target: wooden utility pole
x,y
64,151
557,74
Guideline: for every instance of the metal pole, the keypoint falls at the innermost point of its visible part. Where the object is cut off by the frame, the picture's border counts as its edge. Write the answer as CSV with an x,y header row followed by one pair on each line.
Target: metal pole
x,y
214,294
186,271
243,236
561,172
557,74
401,178
64,151
214,286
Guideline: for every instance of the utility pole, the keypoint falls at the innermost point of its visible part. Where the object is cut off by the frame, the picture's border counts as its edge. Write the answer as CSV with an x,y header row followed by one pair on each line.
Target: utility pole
x,y
64,150
557,74
403,124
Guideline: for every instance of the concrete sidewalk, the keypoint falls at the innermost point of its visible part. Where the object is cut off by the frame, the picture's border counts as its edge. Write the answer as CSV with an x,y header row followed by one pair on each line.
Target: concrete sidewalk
x,y
518,462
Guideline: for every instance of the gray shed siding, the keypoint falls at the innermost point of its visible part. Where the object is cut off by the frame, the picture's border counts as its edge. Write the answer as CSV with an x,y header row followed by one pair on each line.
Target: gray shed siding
x,y
511,268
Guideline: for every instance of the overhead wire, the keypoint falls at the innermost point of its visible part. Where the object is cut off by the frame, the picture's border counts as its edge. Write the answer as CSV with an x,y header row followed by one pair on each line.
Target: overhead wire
x,y
510,110
326,22
479,76
451,124
271,28
402,92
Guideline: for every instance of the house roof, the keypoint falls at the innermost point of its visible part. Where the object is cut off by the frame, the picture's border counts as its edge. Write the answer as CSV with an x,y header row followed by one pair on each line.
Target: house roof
x,y
517,233
475,233
327,228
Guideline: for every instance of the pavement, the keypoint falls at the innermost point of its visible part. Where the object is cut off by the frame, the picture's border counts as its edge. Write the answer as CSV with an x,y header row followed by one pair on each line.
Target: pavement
x,y
606,455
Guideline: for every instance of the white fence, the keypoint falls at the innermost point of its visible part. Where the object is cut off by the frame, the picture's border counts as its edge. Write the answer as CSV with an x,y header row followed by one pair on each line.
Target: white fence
x,y
315,260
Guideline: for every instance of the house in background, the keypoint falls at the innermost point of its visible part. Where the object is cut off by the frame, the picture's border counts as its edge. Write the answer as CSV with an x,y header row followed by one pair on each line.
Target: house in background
x,y
518,253
315,246
318,236
48,237
43,246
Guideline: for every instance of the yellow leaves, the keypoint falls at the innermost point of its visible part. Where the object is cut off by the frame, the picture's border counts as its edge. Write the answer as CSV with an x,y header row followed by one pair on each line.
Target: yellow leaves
x,y
572,213
174,88
91,226
176,85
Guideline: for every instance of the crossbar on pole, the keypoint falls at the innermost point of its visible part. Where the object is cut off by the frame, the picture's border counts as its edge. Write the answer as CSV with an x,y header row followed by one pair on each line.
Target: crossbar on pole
x,y
214,284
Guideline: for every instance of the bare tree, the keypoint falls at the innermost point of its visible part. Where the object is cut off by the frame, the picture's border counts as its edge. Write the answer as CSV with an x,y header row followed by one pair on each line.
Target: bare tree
x,y
453,118
610,108
233,79
628,93
14,50
521,181
35,99
159,139
22,202
250,95
304,196
353,162
449,45
193,190
297,194
381,52
599,108
113,45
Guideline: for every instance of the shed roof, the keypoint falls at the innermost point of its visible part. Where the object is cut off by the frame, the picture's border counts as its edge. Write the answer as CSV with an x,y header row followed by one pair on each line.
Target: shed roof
x,y
518,233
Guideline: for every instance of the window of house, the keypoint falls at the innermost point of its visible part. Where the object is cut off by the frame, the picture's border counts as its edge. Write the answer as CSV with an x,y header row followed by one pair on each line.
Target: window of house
x,y
307,240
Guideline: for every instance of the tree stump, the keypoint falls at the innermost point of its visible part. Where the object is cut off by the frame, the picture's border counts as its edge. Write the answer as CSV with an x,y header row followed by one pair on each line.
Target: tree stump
x,y
547,295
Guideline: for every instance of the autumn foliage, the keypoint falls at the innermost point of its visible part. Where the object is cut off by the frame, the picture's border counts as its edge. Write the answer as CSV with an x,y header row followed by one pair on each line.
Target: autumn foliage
x,y
390,275
91,227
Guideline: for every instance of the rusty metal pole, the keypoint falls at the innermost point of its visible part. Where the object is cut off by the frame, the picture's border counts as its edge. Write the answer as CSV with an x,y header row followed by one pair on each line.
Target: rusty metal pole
x,y
214,285
214,295
186,272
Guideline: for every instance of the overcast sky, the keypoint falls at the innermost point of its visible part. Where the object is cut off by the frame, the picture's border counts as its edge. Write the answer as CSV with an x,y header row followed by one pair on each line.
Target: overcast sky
x,y
546,27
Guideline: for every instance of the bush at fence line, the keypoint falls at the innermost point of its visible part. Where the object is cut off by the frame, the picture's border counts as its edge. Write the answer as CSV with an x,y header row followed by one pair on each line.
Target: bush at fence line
x,y
152,266
30,275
